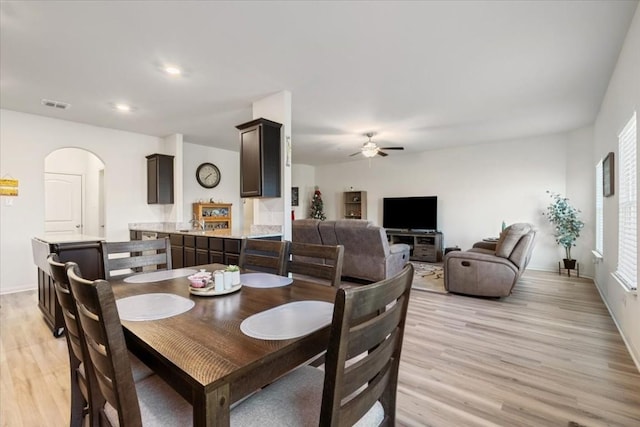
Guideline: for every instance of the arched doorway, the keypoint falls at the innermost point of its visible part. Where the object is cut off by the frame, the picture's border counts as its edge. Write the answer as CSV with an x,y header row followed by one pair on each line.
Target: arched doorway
x,y
74,192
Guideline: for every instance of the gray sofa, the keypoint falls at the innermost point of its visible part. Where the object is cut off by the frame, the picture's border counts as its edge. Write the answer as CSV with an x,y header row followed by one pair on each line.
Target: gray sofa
x,y
368,255
490,269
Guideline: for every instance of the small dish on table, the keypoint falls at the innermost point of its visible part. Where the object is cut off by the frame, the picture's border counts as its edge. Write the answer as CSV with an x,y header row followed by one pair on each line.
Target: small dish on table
x,y
200,280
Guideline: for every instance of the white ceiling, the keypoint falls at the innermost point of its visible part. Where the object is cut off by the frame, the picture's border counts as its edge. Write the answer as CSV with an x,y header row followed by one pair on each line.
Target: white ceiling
x,y
423,75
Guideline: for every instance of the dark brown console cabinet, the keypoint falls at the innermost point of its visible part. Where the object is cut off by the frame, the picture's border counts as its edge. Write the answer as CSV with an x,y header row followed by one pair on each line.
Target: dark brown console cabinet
x,y
425,246
88,256
159,179
260,158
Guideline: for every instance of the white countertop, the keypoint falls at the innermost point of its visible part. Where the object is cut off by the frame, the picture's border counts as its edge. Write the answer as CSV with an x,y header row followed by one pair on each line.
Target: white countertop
x,y
67,238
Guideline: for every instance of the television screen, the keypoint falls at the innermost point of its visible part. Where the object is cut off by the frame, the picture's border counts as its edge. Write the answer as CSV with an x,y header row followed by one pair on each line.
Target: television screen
x,y
410,213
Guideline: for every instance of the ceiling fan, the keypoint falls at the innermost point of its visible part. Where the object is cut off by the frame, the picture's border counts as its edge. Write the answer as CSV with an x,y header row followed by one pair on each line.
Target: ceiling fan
x,y
370,149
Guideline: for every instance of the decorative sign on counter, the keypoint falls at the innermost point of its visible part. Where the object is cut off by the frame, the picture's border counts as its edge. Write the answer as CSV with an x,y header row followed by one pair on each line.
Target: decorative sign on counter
x,y
8,187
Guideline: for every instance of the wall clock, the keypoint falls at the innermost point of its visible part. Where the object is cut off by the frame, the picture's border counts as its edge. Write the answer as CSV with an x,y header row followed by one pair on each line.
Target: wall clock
x,y
208,175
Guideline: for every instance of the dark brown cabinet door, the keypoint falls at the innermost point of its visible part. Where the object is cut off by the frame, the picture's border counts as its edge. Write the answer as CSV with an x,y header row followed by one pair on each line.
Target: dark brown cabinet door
x,y
250,167
231,259
177,256
189,257
216,258
159,179
202,257
260,158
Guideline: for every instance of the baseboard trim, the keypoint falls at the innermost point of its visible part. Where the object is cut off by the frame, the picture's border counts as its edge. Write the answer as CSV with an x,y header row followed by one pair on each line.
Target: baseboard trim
x,y
630,349
20,289
546,270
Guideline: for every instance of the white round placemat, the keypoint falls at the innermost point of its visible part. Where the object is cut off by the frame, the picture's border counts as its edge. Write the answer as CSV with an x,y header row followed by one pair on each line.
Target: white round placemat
x,y
287,321
264,280
158,276
152,306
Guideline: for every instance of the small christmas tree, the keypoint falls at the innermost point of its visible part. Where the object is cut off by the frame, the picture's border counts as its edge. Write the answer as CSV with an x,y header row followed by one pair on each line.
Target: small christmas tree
x,y
317,205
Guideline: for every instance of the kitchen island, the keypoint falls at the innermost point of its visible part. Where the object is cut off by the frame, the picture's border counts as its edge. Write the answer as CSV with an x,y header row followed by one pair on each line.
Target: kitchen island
x,y
79,248
190,247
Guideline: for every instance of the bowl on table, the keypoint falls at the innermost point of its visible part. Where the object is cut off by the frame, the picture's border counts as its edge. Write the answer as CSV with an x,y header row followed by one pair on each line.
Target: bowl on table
x,y
200,279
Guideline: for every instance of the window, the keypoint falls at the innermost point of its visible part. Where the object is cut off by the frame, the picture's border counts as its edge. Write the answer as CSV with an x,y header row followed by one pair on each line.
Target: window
x,y
599,210
627,270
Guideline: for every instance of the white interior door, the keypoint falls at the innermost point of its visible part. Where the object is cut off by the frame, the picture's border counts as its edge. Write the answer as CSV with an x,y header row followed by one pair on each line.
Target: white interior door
x,y
63,203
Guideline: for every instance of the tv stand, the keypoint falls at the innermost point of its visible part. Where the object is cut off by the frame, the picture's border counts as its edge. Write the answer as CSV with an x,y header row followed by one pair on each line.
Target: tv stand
x,y
424,245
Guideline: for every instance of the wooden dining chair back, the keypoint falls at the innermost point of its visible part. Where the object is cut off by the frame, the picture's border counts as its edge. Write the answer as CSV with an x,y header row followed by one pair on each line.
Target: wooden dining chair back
x,y
317,261
268,256
106,345
360,380
368,323
83,379
135,255
128,401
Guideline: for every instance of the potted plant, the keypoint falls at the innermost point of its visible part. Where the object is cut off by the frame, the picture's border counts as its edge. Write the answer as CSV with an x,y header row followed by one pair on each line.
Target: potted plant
x,y
235,274
564,218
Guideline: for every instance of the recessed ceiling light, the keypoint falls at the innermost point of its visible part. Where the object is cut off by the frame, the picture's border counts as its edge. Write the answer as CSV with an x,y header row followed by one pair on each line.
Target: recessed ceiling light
x,y
123,107
172,71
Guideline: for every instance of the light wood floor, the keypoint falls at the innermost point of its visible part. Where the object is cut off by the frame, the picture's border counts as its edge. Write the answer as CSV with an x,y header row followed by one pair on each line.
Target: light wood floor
x,y
548,355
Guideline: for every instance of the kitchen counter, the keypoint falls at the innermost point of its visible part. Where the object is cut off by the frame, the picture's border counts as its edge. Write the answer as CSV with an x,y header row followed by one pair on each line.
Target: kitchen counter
x,y
187,230
191,247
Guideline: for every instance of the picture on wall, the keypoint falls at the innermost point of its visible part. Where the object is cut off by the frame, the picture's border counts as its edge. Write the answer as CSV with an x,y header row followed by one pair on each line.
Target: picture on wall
x,y
294,196
608,176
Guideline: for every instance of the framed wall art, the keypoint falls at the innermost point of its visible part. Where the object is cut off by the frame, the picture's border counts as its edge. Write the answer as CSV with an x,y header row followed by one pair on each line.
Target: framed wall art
x,y
294,196
608,176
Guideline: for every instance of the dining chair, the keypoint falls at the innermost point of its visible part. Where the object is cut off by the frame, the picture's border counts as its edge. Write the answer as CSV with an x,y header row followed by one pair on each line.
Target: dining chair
x,y
317,261
149,402
85,396
134,255
368,326
268,256
85,399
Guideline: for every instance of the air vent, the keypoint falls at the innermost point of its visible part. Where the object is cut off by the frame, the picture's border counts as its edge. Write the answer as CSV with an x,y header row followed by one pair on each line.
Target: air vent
x,y
56,104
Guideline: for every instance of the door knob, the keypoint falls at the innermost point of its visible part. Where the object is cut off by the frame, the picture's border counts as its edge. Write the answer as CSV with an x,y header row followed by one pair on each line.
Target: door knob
x,y
78,226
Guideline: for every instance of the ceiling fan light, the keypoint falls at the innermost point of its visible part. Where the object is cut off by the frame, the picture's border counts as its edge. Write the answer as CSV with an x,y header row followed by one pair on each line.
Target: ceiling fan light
x,y
370,152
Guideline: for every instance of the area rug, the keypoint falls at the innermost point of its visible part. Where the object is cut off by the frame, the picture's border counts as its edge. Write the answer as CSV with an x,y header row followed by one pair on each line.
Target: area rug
x,y
428,277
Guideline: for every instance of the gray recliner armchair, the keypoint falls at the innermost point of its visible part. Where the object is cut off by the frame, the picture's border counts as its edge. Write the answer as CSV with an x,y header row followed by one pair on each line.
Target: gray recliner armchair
x,y
490,269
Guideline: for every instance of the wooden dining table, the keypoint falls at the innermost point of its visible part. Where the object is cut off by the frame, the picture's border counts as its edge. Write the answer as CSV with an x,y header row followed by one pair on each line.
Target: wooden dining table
x,y
204,355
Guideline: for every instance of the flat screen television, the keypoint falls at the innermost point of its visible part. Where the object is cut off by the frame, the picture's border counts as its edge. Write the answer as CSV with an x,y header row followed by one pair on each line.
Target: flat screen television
x,y
410,213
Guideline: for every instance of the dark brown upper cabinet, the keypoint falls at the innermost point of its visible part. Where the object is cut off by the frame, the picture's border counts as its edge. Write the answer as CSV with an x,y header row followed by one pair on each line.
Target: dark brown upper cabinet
x,y
159,179
260,158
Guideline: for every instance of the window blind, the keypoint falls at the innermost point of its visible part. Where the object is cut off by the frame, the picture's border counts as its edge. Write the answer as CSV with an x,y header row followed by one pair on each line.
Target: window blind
x,y
599,210
627,270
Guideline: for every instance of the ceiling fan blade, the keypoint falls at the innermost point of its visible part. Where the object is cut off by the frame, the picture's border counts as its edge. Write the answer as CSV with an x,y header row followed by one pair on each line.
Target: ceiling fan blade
x,y
380,153
391,148
355,154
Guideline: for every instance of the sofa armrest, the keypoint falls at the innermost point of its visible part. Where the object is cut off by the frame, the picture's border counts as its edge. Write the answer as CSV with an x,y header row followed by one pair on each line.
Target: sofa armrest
x,y
396,260
486,245
397,248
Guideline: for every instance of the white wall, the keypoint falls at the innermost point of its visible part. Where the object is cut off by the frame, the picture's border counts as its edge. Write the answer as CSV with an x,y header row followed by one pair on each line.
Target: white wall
x,y
25,141
621,100
478,187
276,211
303,177
228,191
580,183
